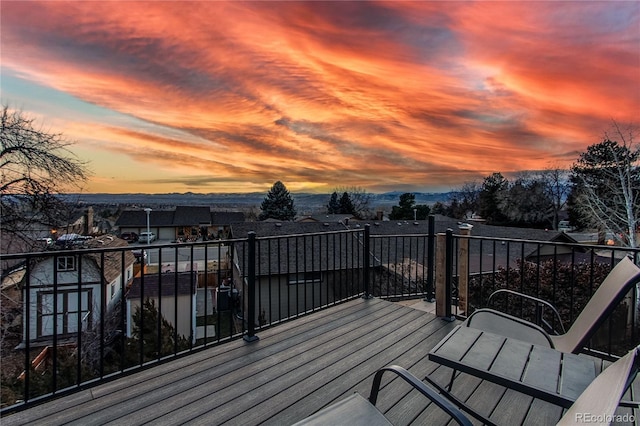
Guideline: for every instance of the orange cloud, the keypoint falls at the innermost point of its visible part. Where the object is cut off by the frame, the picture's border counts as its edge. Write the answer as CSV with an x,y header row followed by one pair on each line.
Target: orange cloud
x,y
422,95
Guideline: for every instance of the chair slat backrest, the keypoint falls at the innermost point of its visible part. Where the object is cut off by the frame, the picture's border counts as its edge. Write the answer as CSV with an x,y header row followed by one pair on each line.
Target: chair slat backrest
x,y
622,278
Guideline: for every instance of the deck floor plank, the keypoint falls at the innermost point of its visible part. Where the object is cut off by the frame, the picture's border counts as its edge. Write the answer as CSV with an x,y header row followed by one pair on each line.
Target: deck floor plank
x,y
293,370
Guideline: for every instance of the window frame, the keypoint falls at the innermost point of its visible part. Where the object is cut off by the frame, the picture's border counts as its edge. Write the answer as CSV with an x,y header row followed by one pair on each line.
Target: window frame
x,y
63,312
66,263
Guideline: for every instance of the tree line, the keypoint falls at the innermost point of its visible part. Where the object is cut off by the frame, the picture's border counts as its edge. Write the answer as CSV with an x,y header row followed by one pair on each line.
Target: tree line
x,y
601,190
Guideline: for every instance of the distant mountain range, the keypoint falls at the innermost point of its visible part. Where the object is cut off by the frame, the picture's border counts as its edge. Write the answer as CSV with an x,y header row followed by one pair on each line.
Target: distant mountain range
x,y
303,201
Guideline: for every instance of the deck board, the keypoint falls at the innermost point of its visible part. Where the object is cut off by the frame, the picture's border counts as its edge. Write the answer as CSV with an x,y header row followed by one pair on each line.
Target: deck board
x,y
293,370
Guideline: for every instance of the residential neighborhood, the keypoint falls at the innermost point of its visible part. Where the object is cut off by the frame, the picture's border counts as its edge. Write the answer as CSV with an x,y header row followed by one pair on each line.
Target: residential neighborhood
x,y
201,280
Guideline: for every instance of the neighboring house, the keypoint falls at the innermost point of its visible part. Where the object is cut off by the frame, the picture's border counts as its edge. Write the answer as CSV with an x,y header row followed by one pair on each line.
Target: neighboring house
x,y
168,291
184,223
304,272
327,218
79,221
569,253
301,272
74,289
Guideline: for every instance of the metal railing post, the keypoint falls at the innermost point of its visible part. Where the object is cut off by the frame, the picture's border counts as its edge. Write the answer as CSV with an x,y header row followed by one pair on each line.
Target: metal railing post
x,y
251,289
431,242
367,261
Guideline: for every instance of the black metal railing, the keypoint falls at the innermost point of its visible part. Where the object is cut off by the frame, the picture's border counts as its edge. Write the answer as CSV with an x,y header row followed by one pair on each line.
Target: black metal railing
x,y
76,316
72,317
564,273
296,274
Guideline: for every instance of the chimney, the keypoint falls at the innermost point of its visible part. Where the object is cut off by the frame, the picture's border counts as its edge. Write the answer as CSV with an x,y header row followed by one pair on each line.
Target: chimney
x,y
379,214
88,221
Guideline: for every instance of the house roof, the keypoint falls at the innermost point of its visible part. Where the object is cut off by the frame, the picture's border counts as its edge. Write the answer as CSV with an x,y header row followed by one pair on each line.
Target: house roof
x,y
181,216
187,216
226,218
326,218
300,251
184,282
322,252
112,260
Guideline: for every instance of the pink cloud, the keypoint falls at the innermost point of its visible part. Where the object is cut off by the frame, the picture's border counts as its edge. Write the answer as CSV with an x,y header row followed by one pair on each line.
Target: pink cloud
x,y
417,93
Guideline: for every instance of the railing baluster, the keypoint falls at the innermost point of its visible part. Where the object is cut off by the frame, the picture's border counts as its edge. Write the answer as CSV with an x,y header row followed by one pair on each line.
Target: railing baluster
x,y
251,287
27,338
79,321
123,308
102,306
366,259
54,379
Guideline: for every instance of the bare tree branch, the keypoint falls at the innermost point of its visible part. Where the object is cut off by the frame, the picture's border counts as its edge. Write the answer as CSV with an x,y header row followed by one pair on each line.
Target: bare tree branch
x,y
35,168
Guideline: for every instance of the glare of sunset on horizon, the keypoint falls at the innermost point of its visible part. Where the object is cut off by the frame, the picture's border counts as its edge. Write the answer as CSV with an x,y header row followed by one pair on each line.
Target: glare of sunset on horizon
x,y
232,96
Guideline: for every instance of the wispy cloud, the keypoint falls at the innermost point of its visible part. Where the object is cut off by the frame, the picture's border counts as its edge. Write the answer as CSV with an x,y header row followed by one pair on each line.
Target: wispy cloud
x,y
225,96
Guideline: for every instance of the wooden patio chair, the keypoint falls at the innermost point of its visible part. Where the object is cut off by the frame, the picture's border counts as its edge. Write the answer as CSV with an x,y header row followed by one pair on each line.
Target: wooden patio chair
x,y
622,278
355,410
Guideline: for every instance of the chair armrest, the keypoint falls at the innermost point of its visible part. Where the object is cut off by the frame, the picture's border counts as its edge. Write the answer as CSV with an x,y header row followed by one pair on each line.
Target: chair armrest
x,y
418,385
534,299
503,324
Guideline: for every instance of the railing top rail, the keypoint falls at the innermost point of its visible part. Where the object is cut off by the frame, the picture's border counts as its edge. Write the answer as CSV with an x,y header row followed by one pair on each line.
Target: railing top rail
x,y
418,235
111,249
549,243
308,234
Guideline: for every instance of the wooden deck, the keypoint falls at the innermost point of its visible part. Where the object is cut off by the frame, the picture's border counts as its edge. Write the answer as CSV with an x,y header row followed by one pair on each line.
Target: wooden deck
x,y
295,369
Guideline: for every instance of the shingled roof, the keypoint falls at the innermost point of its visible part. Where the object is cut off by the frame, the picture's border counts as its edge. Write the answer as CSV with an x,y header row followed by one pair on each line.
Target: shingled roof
x,y
112,260
184,282
181,216
322,252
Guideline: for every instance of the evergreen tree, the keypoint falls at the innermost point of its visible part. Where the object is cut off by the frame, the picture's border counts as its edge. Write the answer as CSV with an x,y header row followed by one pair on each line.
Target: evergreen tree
x,y
494,190
359,201
345,204
334,206
404,209
440,208
145,330
278,204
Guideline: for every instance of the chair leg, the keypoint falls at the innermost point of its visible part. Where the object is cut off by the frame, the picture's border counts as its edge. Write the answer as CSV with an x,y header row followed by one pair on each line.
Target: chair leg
x,y
456,401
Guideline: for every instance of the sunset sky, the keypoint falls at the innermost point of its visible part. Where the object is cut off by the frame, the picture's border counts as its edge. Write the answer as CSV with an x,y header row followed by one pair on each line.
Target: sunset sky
x,y
212,96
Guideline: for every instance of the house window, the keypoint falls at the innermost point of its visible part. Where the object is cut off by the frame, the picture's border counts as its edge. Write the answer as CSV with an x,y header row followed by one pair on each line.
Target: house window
x,y
113,290
66,263
305,278
69,305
